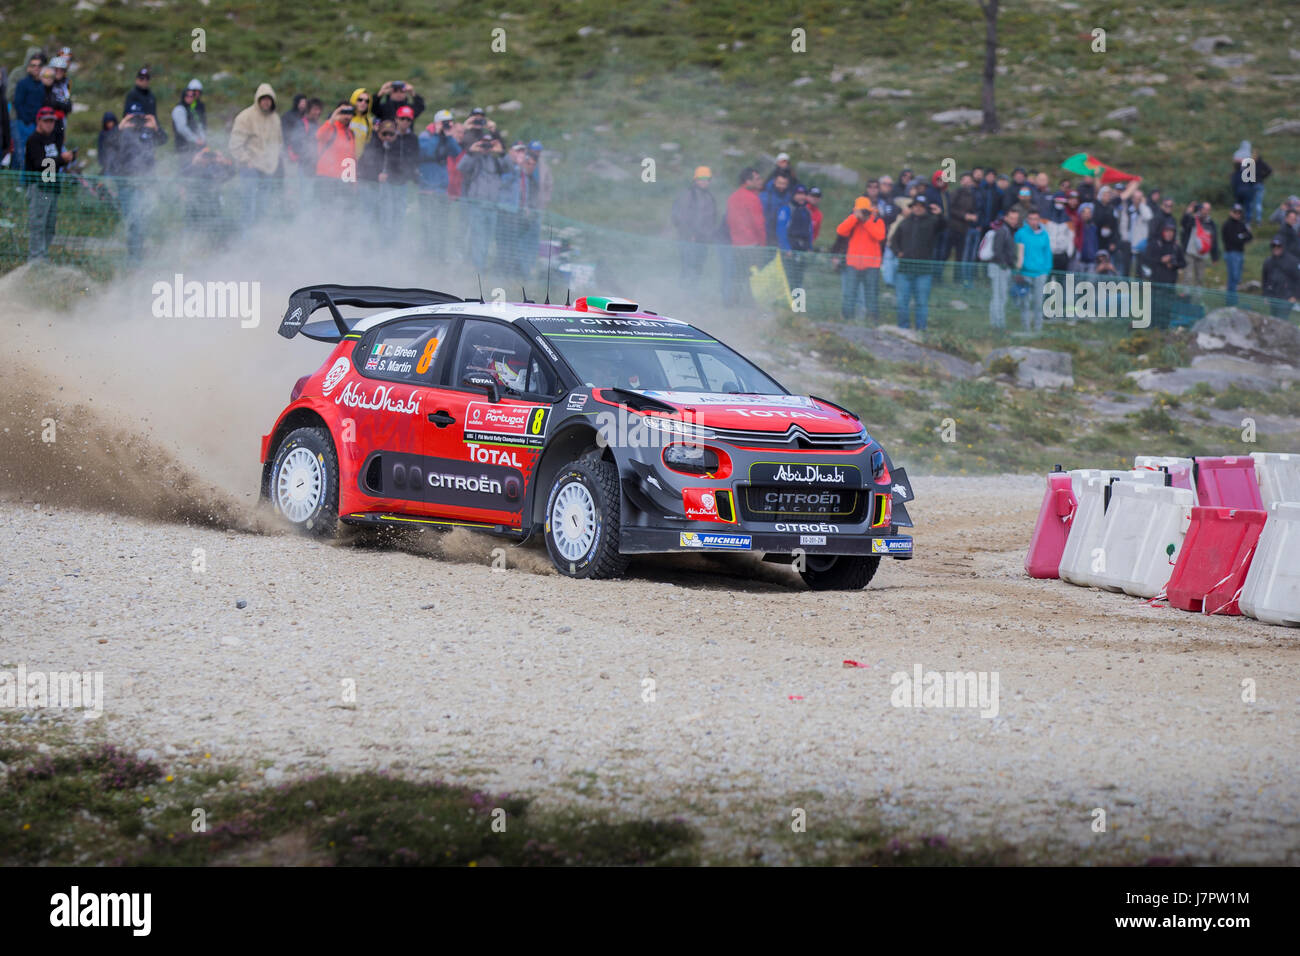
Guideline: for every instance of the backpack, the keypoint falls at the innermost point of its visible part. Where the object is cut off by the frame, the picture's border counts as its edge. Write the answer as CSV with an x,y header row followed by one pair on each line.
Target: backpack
x,y
986,252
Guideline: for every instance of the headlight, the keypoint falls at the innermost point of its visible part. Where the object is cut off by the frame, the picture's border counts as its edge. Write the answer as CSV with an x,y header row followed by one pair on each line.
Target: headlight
x,y
692,459
676,426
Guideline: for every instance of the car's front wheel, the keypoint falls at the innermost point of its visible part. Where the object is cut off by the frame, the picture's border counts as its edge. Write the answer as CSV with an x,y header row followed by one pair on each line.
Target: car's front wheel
x,y
843,572
305,481
582,520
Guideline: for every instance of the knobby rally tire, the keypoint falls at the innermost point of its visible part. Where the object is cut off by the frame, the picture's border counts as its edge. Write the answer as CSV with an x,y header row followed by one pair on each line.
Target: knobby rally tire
x,y
582,521
305,481
844,573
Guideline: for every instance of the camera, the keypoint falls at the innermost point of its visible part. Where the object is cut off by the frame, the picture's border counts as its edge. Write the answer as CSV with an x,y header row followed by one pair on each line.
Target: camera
x,y
398,85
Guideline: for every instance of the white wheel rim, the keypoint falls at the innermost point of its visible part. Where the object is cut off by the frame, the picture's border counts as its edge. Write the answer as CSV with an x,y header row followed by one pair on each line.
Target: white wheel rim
x,y
299,485
573,521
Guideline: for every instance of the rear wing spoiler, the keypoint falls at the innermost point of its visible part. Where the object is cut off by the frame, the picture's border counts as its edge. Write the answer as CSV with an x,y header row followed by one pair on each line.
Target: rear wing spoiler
x,y
309,299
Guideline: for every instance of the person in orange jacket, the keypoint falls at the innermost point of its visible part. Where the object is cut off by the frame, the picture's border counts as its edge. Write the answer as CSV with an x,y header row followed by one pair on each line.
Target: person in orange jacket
x,y
860,277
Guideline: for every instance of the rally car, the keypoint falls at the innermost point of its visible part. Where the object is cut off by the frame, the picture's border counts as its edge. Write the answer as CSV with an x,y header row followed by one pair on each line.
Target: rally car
x,y
603,427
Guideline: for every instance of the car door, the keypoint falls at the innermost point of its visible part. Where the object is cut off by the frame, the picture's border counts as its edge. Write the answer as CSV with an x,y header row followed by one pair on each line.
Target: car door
x,y
486,451
384,428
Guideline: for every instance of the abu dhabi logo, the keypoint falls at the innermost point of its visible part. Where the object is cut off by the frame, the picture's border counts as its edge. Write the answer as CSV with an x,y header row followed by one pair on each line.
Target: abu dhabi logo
x,y
335,375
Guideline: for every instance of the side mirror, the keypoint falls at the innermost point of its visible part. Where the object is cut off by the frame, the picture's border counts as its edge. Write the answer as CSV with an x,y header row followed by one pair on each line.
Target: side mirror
x,y
485,382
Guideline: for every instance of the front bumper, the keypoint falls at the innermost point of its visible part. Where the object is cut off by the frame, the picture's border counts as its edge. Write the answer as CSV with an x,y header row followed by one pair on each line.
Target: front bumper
x,y
728,538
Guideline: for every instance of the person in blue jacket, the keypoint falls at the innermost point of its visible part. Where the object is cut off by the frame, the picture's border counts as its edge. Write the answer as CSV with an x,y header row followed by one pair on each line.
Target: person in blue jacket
x,y
1035,258
794,236
439,147
774,195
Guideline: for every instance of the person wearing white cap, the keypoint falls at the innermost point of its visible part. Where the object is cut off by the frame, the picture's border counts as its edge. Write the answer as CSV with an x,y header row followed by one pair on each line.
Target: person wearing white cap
x,y
190,121
440,150
782,166
60,95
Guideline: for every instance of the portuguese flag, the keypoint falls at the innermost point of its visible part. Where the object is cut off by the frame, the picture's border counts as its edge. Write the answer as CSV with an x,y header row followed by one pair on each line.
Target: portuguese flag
x,y
1085,164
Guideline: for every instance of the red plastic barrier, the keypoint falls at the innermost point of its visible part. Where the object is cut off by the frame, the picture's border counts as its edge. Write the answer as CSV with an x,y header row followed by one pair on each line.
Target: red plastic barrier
x,y
1227,483
1053,527
1214,559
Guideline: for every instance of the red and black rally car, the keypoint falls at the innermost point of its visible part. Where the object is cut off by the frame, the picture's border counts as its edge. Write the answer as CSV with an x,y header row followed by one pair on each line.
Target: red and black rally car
x,y
607,429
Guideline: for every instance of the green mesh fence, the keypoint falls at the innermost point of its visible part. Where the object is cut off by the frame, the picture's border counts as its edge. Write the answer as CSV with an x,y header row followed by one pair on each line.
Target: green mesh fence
x,y
104,223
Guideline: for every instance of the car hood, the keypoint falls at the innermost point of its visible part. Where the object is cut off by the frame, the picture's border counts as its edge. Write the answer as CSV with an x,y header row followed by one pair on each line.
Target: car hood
x,y
768,413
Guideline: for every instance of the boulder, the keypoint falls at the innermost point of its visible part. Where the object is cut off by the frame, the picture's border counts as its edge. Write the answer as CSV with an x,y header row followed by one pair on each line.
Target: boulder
x,y
1249,335
1231,61
885,92
958,117
832,171
1210,44
1123,113
892,344
1282,126
1244,366
1178,380
1037,368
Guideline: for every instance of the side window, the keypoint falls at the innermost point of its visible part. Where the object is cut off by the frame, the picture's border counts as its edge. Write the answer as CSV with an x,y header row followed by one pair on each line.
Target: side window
x,y
490,348
403,351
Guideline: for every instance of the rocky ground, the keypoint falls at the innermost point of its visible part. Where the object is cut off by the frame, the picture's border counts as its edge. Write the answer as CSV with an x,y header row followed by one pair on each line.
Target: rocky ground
x,y
714,690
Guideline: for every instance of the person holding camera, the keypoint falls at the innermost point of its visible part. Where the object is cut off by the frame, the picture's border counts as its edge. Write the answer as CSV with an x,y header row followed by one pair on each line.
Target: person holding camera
x,y
481,172
439,149
137,138
44,159
392,96
864,231
914,242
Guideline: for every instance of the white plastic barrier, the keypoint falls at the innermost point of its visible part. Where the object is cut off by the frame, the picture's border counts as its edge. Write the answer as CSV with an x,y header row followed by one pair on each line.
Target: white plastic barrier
x,y
1085,529
1180,469
1159,461
1279,477
1093,565
1141,535
1271,592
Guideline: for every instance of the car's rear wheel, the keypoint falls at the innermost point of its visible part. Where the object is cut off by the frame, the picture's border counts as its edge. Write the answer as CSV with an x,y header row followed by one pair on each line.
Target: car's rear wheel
x,y
305,481
582,520
843,572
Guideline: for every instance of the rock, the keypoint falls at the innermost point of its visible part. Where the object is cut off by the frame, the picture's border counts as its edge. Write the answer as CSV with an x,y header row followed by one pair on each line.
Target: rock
x,y
586,31
885,92
893,344
841,73
604,169
1114,134
958,117
241,604
1282,126
1232,61
1037,368
1123,113
273,775
802,81
959,305
1145,91
1234,365
670,147
1210,44
1248,335
223,75
1178,380
901,124
510,106
832,171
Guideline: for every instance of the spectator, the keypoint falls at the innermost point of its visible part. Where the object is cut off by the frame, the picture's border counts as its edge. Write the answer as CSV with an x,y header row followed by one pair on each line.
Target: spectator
x,y
914,243
362,122
29,97
815,211
1280,279
1104,265
392,96
190,121
887,202
521,193
439,149
1034,258
6,129
104,143
1248,189
1044,197
782,167
936,194
746,229
775,194
860,278
1163,259
545,179
905,179
60,96
1024,203
794,235
1164,213
255,145
695,219
44,159
1001,265
1200,240
1104,214
1279,214
1135,219
133,150
1235,235
141,94
481,171
1060,232
336,148
1086,242
381,165
1290,232
300,144
963,227
47,99
203,174
292,127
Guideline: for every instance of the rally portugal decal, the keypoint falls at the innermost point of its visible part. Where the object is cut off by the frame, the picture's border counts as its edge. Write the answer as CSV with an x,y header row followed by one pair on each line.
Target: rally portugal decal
x,y
522,426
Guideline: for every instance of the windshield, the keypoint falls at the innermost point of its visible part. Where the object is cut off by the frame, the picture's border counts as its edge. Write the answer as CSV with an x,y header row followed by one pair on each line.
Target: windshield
x,y
650,354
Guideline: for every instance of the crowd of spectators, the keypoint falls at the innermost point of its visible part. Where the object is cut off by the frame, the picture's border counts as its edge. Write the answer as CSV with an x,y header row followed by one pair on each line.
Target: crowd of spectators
x,y
1021,228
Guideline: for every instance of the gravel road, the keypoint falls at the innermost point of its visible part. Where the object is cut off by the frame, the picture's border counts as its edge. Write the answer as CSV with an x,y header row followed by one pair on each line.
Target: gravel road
x,y
527,681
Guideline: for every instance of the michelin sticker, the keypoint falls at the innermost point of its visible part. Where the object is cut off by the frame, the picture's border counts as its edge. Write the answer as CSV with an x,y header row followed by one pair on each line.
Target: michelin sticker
x,y
726,542
891,545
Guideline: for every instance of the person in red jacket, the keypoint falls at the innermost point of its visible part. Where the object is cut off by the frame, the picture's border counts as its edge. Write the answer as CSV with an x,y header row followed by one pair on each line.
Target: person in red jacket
x,y
747,231
336,146
860,277
815,210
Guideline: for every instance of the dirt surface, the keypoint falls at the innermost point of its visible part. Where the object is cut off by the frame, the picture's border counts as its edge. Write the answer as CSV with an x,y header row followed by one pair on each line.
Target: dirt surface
x,y
524,680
